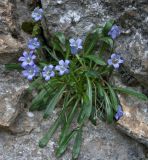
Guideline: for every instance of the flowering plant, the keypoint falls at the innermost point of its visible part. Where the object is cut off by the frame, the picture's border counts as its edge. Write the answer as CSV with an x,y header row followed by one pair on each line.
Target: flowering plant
x,y
73,73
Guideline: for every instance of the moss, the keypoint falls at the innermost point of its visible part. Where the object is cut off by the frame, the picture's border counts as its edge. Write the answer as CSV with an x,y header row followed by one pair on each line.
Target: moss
x,y
28,27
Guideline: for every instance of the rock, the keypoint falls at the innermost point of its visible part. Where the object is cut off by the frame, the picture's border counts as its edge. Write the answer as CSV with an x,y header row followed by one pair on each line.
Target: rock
x,y
12,85
12,39
76,17
135,119
12,88
103,142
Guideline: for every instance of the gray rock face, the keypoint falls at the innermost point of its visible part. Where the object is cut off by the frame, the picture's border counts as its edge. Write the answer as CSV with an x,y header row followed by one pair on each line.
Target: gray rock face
x,y
12,85
76,17
12,39
12,88
135,119
99,143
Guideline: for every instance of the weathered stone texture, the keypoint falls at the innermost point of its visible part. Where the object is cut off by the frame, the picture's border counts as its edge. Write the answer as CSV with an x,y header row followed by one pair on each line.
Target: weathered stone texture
x,y
99,143
12,87
135,119
12,39
76,17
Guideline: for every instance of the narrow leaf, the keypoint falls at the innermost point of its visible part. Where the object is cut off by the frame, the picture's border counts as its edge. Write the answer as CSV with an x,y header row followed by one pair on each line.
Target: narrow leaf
x,y
96,59
43,142
113,97
54,101
64,145
77,144
131,92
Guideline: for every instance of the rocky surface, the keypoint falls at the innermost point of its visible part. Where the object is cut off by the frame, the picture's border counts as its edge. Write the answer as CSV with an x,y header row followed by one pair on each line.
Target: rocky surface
x,y
76,17
12,39
103,142
12,88
135,119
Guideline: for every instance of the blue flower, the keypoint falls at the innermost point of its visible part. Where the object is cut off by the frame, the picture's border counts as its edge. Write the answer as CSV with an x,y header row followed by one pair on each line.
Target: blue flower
x,y
27,59
33,43
119,113
63,67
76,45
37,14
30,71
115,60
48,72
114,32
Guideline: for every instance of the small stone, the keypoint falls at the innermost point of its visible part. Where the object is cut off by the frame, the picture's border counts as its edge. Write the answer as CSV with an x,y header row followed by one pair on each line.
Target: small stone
x,y
30,114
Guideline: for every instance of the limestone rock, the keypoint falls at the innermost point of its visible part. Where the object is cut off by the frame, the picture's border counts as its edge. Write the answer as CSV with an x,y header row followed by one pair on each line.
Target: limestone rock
x,y
12,39
103,142
76,17
135,119
12,87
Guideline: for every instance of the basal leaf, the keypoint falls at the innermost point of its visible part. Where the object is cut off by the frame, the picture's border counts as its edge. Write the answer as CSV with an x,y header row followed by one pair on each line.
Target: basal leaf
x,y
131,92
61,149
77,144
53,102
96,59
113,97
61,37
90,43
44,141
108,26
108,41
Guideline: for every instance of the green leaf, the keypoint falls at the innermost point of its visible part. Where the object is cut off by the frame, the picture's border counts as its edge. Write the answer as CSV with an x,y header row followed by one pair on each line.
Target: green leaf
x,y
51,53
95,59
64,145
92,117
68,123
13,66
108,41
108,26
53,102
57,46
38,100
35,84
113,97
108,108
100,90
44,141
87,100
61,37
77,144
131,92
90,42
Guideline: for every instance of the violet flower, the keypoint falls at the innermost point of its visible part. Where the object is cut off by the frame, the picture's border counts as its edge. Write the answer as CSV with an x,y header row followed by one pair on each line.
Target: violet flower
x,y
48,72
27,59
63,67
119,113
33,43
114,32
30,72
76,45
37,14
115,60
